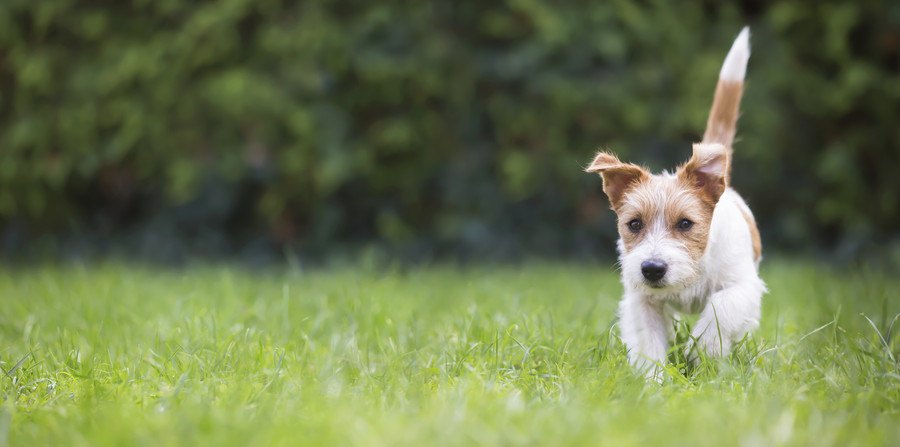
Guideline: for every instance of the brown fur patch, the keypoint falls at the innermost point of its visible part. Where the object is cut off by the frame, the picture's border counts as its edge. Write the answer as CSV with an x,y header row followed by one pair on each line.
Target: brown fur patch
x,y
661,202
721,125
707,170
618,177
754,235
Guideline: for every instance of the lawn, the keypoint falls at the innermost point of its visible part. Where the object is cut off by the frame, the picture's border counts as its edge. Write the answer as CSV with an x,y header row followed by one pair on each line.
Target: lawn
x,y
439,355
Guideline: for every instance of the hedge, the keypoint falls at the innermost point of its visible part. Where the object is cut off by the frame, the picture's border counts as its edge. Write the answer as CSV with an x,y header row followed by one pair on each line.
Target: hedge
x,y
428,127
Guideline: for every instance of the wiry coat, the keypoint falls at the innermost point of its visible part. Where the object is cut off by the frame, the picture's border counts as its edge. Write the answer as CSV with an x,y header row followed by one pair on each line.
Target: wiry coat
x,y
695,231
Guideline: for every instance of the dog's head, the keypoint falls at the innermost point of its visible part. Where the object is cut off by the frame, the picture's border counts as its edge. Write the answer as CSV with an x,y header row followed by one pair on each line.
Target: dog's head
x,y
664,220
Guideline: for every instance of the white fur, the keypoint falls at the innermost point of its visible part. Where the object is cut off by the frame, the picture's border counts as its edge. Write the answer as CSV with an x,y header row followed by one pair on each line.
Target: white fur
x,y
735,64
724,286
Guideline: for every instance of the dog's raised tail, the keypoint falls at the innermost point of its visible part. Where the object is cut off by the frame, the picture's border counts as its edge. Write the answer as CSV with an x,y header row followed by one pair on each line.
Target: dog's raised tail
x,y
722,123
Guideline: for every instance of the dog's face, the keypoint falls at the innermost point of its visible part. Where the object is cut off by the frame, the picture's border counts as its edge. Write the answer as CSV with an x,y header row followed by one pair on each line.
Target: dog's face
x,y
664,220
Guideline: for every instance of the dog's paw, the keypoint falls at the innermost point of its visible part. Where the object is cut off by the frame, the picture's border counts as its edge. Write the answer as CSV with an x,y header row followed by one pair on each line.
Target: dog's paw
x,y
707,338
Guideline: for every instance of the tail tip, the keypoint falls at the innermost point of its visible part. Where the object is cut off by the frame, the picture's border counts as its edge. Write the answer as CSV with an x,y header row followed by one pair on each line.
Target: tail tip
x,y
736,62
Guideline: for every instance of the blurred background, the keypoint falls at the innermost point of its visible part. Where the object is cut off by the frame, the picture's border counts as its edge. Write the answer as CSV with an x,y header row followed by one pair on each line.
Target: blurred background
x,y
265,130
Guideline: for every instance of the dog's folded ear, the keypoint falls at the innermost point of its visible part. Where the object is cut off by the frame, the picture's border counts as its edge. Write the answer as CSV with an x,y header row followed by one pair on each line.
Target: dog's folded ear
x,y
707,170
617,177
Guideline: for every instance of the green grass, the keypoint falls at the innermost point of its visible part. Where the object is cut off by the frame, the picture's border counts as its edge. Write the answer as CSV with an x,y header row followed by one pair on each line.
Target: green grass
x,y
125,355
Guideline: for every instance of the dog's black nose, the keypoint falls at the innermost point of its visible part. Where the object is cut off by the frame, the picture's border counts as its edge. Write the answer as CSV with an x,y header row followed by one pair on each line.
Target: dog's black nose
x,y
653,269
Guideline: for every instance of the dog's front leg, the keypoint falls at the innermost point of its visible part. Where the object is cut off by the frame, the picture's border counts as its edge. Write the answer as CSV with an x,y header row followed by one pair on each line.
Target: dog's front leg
x,y
729,314
645,331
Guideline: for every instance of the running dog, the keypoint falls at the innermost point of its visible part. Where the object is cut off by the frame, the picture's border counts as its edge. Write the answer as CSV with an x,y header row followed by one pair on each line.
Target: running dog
x,y
687,241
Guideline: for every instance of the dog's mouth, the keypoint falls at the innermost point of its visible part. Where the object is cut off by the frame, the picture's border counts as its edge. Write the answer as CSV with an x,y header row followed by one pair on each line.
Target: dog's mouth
x,y
656,284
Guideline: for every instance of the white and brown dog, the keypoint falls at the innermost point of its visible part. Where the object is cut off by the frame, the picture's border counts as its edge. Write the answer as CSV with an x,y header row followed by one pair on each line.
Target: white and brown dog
x,y
688,242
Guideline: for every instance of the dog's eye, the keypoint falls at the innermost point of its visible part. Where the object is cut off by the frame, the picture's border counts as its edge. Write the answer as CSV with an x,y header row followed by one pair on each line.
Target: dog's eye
x,y
684,225
635,225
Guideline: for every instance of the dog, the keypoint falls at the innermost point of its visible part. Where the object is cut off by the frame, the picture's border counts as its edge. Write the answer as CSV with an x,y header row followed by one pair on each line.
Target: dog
x,y
688,242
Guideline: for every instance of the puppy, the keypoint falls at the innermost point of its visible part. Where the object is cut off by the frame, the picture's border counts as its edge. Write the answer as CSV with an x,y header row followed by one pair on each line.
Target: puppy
x,y
687,241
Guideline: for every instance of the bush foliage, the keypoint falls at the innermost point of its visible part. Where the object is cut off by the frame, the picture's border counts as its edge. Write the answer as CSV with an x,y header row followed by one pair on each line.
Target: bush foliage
x,y
426,126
